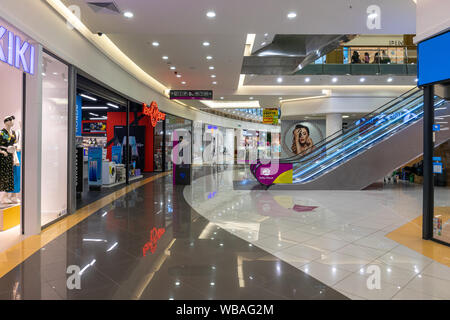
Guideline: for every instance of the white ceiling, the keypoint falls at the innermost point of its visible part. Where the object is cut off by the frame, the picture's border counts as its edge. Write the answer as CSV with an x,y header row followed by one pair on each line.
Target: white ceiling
x,y
181,27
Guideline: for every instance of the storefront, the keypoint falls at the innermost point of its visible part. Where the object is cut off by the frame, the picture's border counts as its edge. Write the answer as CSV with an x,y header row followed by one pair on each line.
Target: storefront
x,y
168,133
33,142
434,77
106,124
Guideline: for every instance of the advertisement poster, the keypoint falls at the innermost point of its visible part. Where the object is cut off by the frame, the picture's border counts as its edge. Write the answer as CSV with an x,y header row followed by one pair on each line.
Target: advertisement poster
x,y
116,154
300,136
137,144
95,156
94,126
270,116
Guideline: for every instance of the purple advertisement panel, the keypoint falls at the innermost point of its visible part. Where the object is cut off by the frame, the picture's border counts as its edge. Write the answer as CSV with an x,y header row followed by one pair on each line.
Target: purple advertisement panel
x,y
269,174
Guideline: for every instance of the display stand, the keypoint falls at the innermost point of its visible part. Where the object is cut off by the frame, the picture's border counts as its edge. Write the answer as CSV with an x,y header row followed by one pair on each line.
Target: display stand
x,y
9,216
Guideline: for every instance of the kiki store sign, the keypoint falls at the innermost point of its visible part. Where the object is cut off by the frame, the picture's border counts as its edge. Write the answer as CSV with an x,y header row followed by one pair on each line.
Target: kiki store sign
x,y
16,52
153,112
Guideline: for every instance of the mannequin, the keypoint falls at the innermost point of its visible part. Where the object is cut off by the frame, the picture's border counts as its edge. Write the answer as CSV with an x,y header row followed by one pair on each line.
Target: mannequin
x,y
7,152
15,196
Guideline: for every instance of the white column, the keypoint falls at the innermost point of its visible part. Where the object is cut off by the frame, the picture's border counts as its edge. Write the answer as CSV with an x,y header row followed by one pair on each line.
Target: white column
x,y
333,123
32,147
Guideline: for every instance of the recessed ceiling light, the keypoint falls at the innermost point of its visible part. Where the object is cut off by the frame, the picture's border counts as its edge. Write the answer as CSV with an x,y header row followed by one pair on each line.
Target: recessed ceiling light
x,y
264,43
280,98
213,76
155,43
211,68
266,34
390,80
251,98
172,68
334,79
128,14
208,57
165,57
279,79
362,79
113,105
183,82
416,80
55,73
178,75
307,79
88,97
214,82
43,73
210,14
221,98
291,15
206,44
345,117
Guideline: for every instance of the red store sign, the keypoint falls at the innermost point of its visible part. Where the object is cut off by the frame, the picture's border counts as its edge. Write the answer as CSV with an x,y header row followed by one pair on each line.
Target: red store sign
x,y
153,112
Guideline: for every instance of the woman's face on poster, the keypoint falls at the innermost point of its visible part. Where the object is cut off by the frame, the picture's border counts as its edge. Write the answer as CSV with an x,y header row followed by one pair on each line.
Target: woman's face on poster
x,y
302,135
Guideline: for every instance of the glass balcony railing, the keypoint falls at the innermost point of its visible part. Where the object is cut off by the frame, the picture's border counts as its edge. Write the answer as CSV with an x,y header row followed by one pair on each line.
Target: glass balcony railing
x,y
365,61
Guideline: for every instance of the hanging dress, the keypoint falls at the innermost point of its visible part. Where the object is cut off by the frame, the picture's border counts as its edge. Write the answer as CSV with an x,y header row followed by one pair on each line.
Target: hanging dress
x,y
7,163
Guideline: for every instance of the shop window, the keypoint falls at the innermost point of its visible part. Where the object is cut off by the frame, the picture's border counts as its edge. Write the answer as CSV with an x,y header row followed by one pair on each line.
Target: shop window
x,y
54,139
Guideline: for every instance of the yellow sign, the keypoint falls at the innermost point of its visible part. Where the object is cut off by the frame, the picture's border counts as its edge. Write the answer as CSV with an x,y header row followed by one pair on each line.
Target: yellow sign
x,y
270,116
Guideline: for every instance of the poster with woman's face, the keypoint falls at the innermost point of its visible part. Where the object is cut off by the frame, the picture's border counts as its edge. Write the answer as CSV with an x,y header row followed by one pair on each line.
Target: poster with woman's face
x,y
301,136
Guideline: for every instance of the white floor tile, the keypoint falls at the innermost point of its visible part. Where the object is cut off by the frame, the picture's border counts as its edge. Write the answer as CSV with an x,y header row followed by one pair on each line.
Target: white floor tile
x,y
326,243
356,284
431,286
306,252
343,261
412,264
274,244
362,252
325,273
437,270
297,235
408,294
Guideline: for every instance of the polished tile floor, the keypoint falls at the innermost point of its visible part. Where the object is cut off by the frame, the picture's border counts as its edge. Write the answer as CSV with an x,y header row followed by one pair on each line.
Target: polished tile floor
x,y
150,244
340,242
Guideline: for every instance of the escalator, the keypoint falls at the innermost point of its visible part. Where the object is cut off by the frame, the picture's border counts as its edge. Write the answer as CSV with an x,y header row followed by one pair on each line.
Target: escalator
x,y
366,151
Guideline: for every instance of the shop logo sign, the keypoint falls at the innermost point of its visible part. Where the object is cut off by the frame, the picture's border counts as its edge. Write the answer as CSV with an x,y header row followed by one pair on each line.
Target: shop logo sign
x,y
153,112
155,235
19,54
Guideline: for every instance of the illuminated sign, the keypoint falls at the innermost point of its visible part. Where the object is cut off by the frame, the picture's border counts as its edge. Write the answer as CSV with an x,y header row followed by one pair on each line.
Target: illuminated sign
x,y
153,112
155,235
16,52
432,65
270,116
191,94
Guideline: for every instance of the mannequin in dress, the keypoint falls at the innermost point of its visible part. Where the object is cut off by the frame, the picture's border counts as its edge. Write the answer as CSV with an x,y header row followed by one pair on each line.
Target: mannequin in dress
x,y
7,152
15,196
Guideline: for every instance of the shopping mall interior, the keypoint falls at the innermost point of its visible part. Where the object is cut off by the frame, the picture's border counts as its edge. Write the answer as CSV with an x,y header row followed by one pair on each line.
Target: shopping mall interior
x,y
225,150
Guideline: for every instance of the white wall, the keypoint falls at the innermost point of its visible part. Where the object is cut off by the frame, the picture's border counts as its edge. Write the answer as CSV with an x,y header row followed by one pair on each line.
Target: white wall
x,y
42,23
294,109
432,17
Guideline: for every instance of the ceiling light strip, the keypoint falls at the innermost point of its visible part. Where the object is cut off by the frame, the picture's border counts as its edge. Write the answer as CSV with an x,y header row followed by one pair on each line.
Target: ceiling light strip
x,y
107,47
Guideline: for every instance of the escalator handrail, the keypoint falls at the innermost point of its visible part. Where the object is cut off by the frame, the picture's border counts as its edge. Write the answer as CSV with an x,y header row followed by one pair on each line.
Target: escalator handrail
x,y
349,132
437,103
353,125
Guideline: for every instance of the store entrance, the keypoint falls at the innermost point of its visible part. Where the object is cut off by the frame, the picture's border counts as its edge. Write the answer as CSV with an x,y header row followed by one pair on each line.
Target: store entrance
x,y
114,142
11,92
101,129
